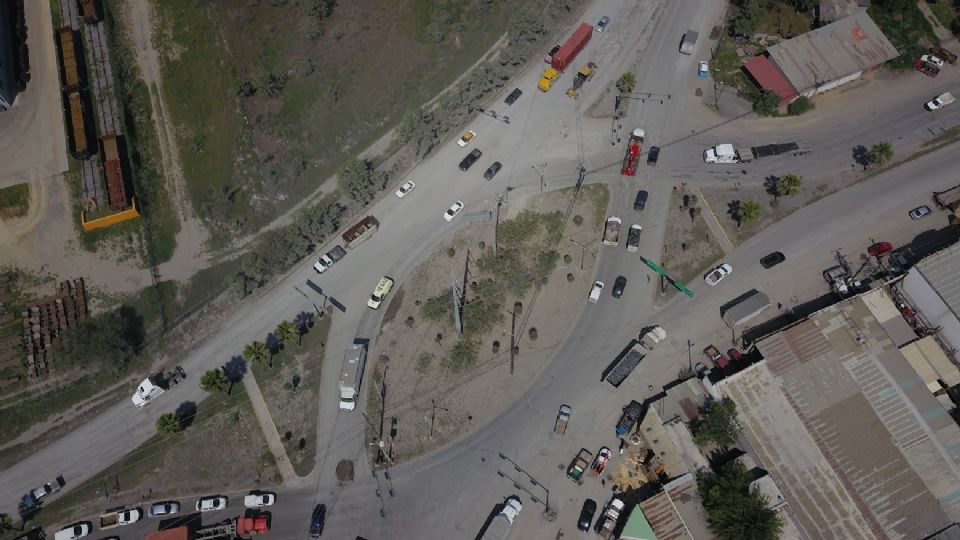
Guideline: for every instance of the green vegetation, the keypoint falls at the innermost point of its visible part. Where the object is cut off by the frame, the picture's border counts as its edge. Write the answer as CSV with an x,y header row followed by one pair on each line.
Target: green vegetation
x,y
14,201
789,185
767,104
799,106
733,511
727,70
906,27
169,424
256,352
214,380
717,423
786,18
880,153
106,342
463,355
946,12
627,82
748,211
285,331
360,181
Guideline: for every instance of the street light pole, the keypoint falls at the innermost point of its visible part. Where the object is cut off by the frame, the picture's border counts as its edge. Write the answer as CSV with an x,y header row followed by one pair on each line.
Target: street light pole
x,y
583,251
541,173
689,356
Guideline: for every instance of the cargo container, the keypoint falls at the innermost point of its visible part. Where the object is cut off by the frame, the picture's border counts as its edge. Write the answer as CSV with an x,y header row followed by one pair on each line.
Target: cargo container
x,y
79,128
361,231
113,170
69,54
569,50
88,11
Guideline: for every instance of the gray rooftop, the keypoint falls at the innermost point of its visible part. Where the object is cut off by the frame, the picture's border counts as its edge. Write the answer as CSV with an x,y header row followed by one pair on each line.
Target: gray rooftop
x,y
832,52
942,271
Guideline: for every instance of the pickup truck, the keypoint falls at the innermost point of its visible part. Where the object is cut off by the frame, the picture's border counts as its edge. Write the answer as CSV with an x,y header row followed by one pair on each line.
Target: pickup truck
x,y
329,259
611,232
939,102
579,465
600,462
595,291
718,274
714,355
633,238
652,337
629,418
563,417
117,517
608,521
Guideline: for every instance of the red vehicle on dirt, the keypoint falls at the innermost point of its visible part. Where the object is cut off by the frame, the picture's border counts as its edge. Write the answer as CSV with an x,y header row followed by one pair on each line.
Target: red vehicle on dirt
x,y
926,68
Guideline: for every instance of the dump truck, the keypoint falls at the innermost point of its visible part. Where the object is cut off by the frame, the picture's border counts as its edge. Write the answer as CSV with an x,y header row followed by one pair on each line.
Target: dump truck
x,y
572,47
350,376
579,465
563,417
631,415
156,384
950,200
633,238
499,528
583,75
547,79
363,230
120,516
944,54
652,337
632,156
626,365
688,42
611,232
609,519
252,524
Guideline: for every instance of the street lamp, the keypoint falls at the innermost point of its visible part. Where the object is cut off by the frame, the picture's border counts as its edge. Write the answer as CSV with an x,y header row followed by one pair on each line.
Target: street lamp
x,y
541,173
547,513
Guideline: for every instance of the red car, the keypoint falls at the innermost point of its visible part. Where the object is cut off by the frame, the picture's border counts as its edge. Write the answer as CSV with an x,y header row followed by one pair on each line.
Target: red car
x,y
734,355
880,249
925,68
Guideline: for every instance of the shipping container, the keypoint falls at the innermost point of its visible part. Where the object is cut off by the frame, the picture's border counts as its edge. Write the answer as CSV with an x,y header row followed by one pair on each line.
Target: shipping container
x,y
113,170
569,50
69,59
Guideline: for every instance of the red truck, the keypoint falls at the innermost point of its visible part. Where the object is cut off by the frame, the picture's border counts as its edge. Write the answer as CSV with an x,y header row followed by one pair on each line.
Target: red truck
x,y
632,156
569,50
241,526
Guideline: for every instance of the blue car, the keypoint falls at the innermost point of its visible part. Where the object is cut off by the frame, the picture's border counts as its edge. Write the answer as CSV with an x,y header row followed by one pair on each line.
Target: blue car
x,y
704,69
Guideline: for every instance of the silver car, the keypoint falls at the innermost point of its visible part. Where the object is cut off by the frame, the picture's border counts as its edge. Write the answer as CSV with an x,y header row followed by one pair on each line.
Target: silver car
x,y
602,25
161,509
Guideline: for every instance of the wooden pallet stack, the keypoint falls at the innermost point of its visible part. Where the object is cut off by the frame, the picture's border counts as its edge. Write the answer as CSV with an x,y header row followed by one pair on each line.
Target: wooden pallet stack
x,y
47,320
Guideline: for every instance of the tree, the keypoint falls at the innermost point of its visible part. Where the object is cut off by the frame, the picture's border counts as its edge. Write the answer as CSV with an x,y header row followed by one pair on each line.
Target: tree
x,y
627,82
749,211
360,181
256,352
107,341
789,185
768,104
717,423
285,331
319,220
800,105
169,424
6,523
214,380
880,153
733,511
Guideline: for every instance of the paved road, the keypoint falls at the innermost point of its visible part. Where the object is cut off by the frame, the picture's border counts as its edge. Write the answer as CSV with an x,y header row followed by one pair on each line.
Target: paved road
x,y
441,493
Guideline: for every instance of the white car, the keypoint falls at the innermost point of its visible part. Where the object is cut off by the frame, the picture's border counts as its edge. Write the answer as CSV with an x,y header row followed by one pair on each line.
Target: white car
x,y
703,69
212,503
467,137
602,25
453,211
258,499
939,102
407,187
718,274
933,60
160,509
920,212
72,532
595,291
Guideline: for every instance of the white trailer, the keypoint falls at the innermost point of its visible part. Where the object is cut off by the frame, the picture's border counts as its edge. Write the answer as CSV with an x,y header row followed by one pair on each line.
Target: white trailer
x,y
351,375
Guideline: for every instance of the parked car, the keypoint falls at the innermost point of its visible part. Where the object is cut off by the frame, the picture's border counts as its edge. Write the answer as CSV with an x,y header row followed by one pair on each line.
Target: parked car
x,y
471,158
492,170
212,503
653,155
641,201
595,291
932,60
717,274
920,211
161,509
259,499
317,520
407,187
703,69
513,96
925,68
940,52
701,369
77,530
880,249
586,514
453,211
771,260
734,355
602,25
619,285
467,137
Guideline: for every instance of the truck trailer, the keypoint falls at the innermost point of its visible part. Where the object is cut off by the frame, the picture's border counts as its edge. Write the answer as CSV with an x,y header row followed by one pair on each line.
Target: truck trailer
x,y
361,231
572,47
625,367
351,375
499,528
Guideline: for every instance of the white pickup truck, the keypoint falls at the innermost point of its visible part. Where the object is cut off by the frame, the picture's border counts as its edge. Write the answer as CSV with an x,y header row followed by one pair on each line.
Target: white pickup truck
x,y
939,102
117,517
718,274
595,291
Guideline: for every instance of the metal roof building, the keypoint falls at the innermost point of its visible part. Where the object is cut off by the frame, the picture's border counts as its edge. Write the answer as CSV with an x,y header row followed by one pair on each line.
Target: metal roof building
x,y
933,288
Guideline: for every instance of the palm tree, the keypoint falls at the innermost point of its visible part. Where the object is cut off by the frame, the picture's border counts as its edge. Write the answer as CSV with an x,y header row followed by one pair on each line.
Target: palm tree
x,y
214,380
256,352
169,424
627,82
880,153
749,211
789,184
285,331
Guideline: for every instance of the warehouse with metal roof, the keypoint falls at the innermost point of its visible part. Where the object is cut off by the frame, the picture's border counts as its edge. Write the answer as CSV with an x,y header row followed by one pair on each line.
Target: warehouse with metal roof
x,y
932,287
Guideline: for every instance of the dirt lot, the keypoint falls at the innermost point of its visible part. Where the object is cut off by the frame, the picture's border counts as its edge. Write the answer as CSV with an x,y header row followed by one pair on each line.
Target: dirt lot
x,y
691,248
423,370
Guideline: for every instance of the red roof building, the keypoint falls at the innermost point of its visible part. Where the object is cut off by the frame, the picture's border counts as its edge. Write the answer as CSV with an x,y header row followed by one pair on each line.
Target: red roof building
x,y
770,78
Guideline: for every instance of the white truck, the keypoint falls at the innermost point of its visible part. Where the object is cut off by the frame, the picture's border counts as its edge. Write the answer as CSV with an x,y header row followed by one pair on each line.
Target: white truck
x,y
595,291
156,384
652,337
718,274
939,102
726,153
608,521
351,375
117,517
611,232
329,259
499,528
689,42
633,238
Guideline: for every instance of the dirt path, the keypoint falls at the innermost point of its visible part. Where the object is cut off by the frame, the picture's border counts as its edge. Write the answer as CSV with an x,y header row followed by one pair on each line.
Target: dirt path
x,y
189,256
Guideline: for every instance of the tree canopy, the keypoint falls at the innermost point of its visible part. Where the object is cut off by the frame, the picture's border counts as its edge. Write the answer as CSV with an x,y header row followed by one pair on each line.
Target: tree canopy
x,y
733,511
717,423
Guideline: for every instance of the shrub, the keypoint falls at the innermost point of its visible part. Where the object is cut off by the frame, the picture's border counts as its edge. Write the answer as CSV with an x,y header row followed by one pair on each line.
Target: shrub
x,y
410,321
463,356
570,278
768,104
496,347
801,105
532,333
578,220
451,252
360,181
567,259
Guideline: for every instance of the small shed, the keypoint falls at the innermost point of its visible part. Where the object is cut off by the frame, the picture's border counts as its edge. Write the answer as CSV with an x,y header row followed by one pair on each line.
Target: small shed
x,y
745,308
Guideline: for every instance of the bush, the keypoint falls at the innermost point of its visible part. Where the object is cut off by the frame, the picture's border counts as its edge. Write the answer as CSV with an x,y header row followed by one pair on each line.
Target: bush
x,y
451,252
463,356
437,308
570,278
578,220
768,104
410,321
360,181
169,424
801,105
273,83
496,347
532,333
567,259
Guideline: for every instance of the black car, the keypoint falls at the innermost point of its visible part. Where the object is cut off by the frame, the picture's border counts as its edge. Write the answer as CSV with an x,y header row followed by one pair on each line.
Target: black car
x,y
641,201
653,155
586,515
513,97
772,259
618,286
317,520
471,158
492,170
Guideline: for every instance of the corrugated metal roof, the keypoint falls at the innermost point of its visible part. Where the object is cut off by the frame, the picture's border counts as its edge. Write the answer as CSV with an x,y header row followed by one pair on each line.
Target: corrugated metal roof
x,y
638,528
832,52
942,272
674,513
931,363
770,78
879,303
753,303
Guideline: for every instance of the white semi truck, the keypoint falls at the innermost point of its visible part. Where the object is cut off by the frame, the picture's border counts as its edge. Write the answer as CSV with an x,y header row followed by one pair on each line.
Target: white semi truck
x,y
499,528
351,375
156,384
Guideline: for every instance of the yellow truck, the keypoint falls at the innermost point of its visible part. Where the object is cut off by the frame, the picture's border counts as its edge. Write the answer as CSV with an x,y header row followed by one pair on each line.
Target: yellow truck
x,y
583,75
547,79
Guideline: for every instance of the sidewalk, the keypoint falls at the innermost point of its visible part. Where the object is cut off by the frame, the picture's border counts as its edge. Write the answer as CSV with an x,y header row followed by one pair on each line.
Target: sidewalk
x,y
714,225
270,433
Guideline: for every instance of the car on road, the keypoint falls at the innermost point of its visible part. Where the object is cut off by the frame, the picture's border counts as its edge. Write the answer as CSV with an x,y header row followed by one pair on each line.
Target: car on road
x,y
549,57
586,514
641,201
939,102
166,508
932,60
317,520
920,211
880,249
492,170
602,25
512,97
259,499
717,274
467,137
653,155
703,69
471,158
407,187
771,260
211,503
619,285
77,530
453,211
383,288
595,291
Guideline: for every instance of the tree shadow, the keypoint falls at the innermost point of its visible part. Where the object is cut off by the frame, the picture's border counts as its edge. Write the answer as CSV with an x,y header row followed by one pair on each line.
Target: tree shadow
x,y
861,156
304,322
132,328
770,184
273,344
235,369
733,210
186,413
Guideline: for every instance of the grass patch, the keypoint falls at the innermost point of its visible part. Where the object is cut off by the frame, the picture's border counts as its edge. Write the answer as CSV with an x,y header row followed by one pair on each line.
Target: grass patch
x,y
907,29
945,12
14,201
785,21
727,70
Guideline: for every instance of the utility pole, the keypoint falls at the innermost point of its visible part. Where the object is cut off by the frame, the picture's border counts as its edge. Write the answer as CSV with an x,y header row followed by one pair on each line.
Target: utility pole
x,y
513,326
541,173
583,251
455,292
689,356
496,226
